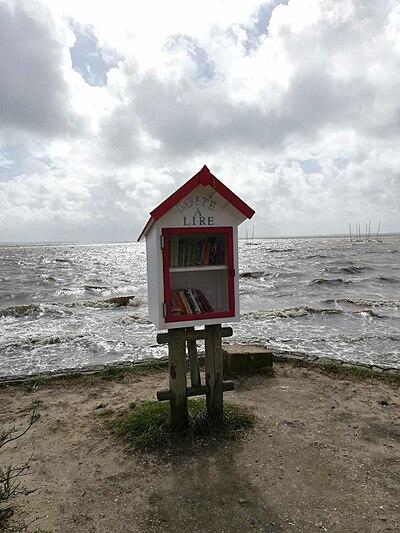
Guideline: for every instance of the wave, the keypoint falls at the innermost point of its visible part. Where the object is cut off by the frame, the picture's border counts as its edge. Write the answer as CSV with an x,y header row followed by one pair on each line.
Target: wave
x,y
338,281
293,312
21,310
361,302
368,312
60,260
116,301
388,279
59,309
329,281
278,250
352,269
32,341
301,311
96,287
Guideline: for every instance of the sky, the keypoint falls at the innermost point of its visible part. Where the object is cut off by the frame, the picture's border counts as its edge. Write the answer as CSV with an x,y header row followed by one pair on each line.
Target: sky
x,y
107,108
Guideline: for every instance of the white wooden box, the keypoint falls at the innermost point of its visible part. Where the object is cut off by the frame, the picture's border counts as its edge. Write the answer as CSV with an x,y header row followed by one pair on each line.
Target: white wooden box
x,y
192,254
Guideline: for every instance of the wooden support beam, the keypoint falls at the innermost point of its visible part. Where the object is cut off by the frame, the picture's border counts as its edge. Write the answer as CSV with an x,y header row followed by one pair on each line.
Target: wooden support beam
x,y
163,395
198,334
177,381
214,395
193,361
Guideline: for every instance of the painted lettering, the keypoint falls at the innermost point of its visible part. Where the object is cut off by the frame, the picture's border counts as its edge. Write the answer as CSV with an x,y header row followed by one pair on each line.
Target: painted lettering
x,y
210,221
196,201
185,223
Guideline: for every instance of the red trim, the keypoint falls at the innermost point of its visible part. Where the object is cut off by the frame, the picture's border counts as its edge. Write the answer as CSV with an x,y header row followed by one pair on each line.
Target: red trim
x,y
228,230
203,177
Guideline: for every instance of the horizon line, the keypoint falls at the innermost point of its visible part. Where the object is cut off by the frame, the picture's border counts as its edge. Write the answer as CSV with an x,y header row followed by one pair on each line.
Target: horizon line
x,y
314,236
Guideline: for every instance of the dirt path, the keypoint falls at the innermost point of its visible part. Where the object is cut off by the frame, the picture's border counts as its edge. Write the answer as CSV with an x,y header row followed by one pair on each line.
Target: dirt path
x,y
324,456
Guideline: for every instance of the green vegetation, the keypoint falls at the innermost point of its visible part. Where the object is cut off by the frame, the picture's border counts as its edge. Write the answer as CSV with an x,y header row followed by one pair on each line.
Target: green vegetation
x,y
70,376
33,384
109,373
342,370
33,405
147,425
141,369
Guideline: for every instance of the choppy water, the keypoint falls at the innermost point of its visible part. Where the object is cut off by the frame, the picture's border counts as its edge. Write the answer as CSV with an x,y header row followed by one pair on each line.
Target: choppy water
x,y
324,297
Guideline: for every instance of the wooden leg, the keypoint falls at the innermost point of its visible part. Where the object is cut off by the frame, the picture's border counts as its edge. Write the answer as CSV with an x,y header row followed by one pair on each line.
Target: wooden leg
x,y
193,362
177,381
215,400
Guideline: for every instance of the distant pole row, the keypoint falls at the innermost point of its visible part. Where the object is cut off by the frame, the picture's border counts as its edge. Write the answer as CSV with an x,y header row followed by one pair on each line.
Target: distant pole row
x,y
357,236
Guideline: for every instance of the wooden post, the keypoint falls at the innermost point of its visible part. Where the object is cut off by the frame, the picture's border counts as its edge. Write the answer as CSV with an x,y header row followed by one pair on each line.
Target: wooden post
x,y
177,381
214,395
193,361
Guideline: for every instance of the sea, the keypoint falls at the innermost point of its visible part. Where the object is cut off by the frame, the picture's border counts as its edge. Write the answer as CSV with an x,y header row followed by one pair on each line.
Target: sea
x,y
69,306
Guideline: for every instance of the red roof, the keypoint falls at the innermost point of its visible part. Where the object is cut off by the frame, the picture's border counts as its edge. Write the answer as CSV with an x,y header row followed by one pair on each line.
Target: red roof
x,y
204,177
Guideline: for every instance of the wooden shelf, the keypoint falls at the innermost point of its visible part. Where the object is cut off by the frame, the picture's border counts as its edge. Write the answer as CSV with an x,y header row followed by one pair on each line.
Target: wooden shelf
x,y
197,268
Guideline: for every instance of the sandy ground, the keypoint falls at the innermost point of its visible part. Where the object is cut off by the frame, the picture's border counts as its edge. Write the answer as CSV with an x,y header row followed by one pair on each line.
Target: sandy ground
x,y
324,456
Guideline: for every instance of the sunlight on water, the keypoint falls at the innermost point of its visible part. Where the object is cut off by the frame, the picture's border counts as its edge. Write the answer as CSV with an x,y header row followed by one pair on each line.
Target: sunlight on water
x,y
63,306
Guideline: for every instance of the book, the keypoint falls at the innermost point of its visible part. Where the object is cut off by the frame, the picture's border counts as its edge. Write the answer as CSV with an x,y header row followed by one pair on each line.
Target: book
x,y
196,251
189,302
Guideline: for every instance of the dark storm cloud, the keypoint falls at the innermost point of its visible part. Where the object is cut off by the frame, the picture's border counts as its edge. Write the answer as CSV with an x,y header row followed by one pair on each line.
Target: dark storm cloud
x,y
187,119
33,93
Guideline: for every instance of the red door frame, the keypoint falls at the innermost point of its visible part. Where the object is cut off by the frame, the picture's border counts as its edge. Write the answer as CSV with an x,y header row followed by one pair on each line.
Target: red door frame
x,y
167,233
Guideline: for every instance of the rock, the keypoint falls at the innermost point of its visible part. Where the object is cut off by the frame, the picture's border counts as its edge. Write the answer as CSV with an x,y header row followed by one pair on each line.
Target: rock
x,y
121,301
240,359
251,275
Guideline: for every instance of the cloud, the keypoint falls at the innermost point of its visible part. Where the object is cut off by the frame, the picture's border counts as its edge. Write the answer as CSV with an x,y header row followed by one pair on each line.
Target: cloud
x,y
291,103
34,96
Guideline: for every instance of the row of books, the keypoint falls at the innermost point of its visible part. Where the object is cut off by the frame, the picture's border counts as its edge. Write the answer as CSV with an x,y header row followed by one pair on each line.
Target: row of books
x,y
189,302
196,252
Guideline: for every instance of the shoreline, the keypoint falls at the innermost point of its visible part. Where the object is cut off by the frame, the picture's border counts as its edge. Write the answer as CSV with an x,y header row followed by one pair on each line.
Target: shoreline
x,y
327,364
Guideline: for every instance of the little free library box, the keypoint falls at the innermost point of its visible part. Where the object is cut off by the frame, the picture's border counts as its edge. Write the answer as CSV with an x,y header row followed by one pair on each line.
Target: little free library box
x,y
192,254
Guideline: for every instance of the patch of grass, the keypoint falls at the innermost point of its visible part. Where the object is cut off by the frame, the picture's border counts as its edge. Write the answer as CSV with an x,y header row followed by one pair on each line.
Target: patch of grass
x,y
34,404
140,369
113,373
117,372
69,376
342,370
147,425
35,383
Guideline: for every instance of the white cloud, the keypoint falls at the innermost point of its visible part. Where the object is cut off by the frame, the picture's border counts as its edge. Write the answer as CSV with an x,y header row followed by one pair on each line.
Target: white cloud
x,y
300,117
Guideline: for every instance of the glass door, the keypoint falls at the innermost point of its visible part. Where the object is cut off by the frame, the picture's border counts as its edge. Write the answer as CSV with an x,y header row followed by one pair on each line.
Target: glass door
x,y
198,273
